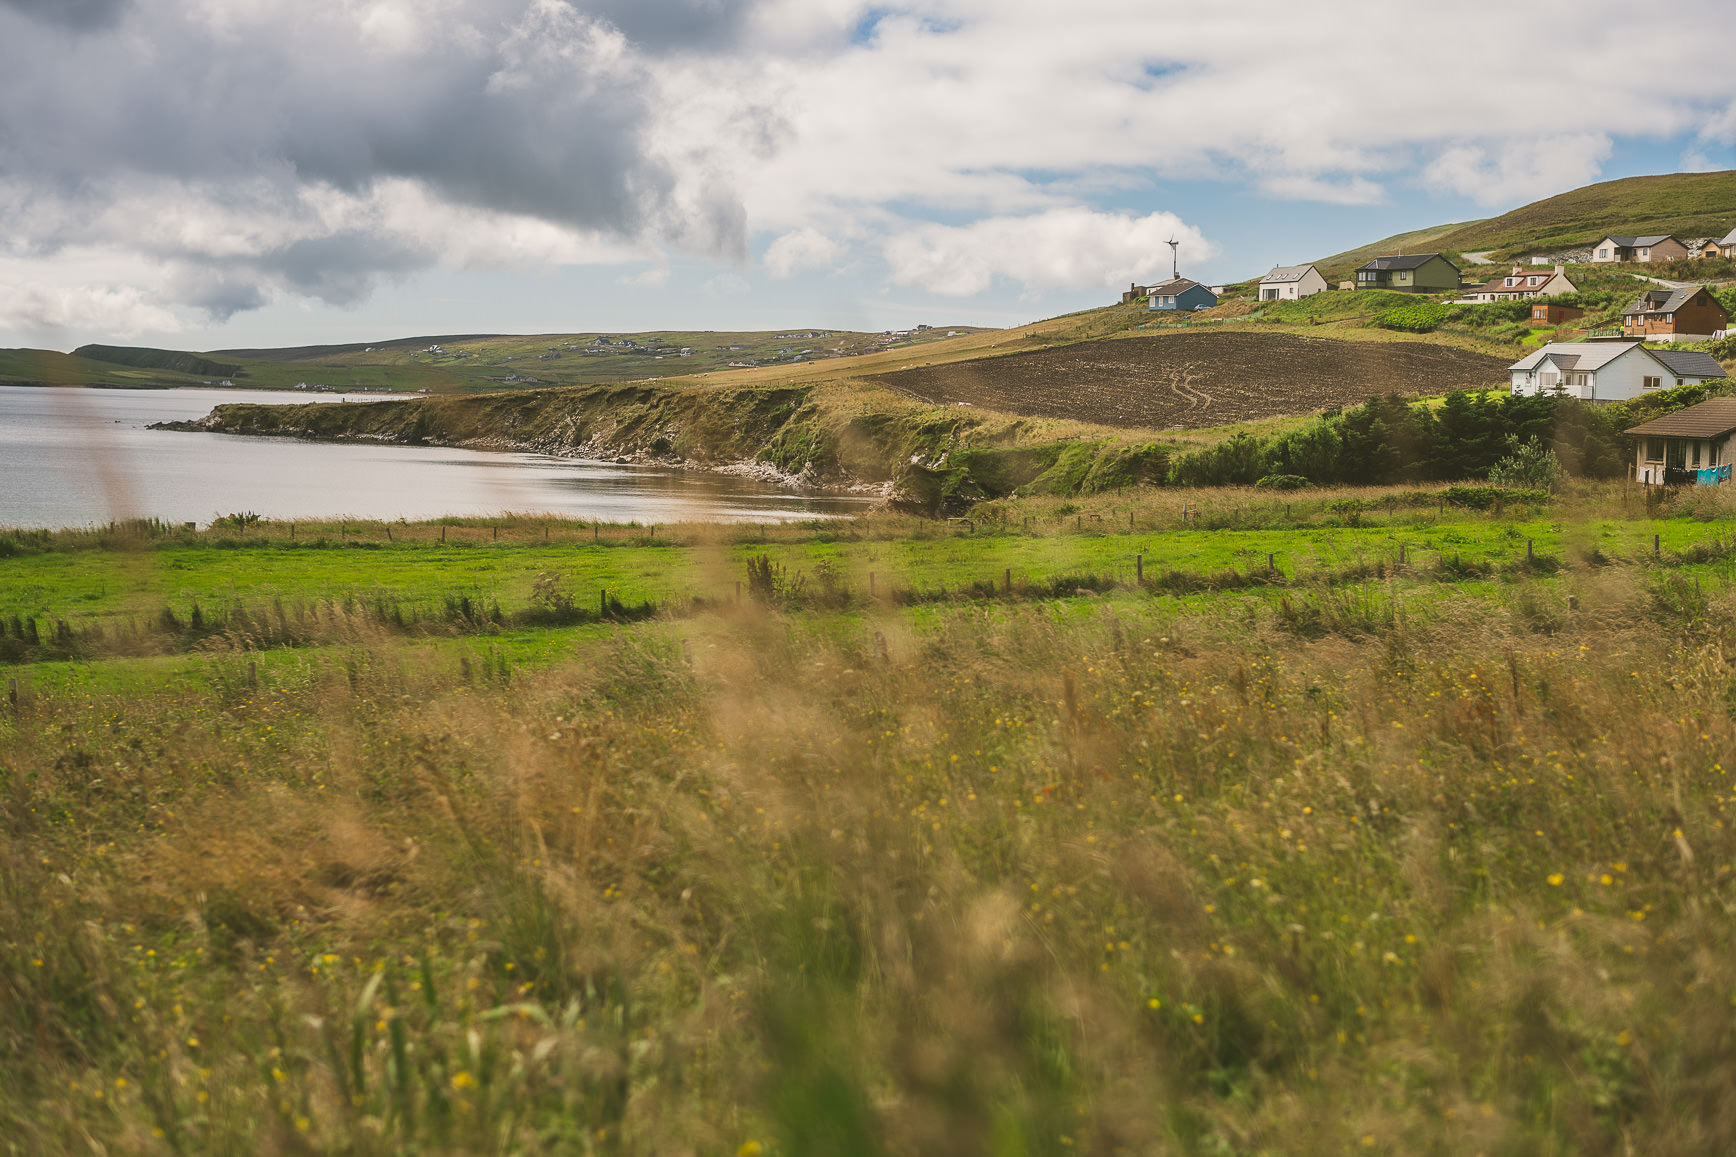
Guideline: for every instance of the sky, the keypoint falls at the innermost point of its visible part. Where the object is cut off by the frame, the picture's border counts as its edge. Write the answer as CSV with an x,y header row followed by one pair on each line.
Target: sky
x,y
207,174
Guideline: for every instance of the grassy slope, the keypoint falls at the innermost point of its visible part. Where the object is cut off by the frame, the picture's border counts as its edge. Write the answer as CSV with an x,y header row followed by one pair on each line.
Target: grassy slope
x,y
1209,873
1686,204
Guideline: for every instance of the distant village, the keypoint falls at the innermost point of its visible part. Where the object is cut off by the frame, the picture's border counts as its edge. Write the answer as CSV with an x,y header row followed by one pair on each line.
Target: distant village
x,y
1609,364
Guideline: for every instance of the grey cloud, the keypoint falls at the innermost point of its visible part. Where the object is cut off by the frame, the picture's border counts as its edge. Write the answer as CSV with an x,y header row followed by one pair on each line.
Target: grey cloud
x,y
516,106
75,14
659,24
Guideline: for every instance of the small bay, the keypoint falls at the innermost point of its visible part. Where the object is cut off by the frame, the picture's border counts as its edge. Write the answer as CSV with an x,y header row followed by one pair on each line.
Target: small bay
x,y
83,456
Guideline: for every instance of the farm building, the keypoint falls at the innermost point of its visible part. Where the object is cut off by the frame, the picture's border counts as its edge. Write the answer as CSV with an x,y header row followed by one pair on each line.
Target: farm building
x,y
1691,445
1674,315
1182,294
1517,286
1608,371
1548,313
1289,282
1660,247
1417,273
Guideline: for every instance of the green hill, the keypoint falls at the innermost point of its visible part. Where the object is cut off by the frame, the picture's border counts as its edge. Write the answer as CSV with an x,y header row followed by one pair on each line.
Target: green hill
x,y
142,358
1685,204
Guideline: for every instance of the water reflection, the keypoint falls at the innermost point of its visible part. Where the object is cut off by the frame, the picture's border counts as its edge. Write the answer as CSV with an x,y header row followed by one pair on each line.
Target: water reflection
x,y
72,457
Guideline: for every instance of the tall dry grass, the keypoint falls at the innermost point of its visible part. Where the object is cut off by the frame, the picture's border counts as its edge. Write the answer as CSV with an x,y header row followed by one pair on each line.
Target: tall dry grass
x,y
1098,874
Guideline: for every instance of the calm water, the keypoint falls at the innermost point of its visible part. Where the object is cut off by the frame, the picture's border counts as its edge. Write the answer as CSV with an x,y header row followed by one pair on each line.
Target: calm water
x,y
72,457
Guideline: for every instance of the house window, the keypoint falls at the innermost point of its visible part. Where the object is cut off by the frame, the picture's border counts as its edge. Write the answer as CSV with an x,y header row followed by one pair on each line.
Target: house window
x,y
1696,462
1712,449
1549,381
1603,252
1654,449
1652,383
1676,454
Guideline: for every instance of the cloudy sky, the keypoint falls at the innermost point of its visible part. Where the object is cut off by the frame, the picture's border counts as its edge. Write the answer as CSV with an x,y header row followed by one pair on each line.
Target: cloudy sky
x,y
210,173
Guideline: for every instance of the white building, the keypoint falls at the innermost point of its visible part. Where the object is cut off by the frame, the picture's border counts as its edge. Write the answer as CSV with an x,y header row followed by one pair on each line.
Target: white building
x,y
1289,282
1608,371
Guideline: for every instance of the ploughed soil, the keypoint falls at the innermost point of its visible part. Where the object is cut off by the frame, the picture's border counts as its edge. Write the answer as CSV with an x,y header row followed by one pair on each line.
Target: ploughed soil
x,y
1199,379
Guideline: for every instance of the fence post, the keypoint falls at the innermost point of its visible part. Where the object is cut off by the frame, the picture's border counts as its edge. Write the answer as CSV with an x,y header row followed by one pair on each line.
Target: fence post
x,y
12,692
497,532
603,602
1528,553
1009,580
442,533
252,673
1272,560
871,593
1654,546
1139,568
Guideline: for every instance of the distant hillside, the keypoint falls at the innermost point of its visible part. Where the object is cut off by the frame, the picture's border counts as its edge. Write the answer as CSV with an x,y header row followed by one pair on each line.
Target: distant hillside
x,y
141,358
1685,204
314,352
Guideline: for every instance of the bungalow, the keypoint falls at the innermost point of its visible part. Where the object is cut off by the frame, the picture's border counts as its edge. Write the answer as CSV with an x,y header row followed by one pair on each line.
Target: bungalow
x,y
1691,445
1289,282
1674,315
1517,286
1722,247
1417,273
1610,371
1659,247
1181,294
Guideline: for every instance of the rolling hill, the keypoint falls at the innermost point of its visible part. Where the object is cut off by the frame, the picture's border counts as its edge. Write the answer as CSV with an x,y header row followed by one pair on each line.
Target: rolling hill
x,y
1685,204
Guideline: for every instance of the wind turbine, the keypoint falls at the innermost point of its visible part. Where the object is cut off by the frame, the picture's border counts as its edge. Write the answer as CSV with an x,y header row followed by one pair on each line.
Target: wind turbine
x,y
1174,265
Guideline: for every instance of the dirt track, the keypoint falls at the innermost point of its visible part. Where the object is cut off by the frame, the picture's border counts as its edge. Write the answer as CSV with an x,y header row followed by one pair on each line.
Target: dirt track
x,y
1199,379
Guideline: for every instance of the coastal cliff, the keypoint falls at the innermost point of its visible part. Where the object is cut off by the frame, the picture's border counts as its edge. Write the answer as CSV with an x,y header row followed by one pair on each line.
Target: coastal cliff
x,y
828,436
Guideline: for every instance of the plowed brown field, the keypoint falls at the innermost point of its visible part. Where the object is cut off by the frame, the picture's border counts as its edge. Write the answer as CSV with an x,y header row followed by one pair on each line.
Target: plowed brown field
x,y
1199,379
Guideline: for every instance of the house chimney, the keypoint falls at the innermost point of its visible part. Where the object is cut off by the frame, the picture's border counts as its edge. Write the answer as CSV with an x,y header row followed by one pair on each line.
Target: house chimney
x,y
1560,269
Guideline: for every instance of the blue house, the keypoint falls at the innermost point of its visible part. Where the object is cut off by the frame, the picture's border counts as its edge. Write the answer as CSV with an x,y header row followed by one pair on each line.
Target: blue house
x,y
1182,295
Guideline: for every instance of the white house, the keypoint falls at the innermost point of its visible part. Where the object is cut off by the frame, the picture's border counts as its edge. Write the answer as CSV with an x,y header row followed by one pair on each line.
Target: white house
x,y
1521,284
1608,371
1289,282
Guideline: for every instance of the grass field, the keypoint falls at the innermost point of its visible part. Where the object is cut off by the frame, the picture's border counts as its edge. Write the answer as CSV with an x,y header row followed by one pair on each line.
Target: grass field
x,y
1414,841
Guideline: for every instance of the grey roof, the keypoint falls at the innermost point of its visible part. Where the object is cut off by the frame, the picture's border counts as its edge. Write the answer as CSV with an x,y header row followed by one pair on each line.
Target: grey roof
x,y
1179,285
1584,355
1729,238
1641,242
1690,363
1661,300
1408,261
1706,420
1286,273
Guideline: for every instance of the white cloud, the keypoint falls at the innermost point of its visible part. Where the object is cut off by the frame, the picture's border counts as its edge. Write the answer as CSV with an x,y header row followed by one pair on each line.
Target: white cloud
x,y
250,153
1060,249
1343,191
1520,171
800,250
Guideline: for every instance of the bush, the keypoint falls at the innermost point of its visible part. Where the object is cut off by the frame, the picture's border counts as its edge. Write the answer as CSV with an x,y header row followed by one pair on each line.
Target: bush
x,y
1530,464
1421,317
1283,482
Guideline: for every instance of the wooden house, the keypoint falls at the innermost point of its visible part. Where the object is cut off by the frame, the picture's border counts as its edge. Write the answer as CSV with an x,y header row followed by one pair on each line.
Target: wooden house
x,y
1549,313
1674,315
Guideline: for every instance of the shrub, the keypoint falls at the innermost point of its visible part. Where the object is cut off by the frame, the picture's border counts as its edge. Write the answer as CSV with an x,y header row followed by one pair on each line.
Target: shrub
x,y
1530,464
1283,482
1421,317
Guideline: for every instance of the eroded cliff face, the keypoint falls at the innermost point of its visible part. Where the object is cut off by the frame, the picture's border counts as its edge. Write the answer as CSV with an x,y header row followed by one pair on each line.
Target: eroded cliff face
x,y
820,436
